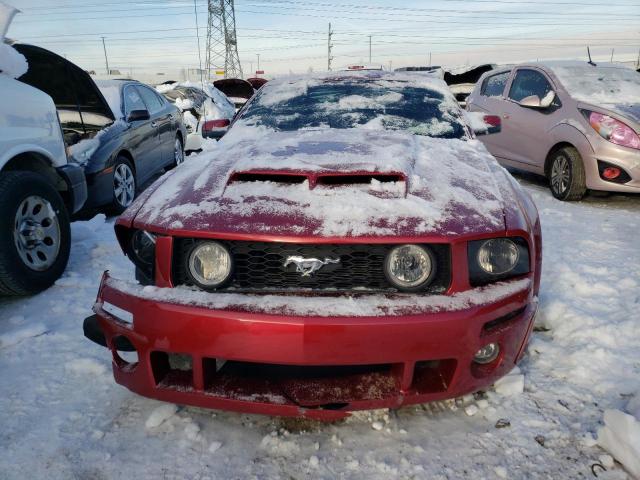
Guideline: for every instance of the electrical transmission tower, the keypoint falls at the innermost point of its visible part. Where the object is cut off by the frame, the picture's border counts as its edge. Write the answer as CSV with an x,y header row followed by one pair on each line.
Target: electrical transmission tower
x,y
222,43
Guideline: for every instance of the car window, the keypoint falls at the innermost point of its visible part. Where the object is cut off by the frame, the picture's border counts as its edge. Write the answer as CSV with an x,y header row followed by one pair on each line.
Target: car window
x,y
153,102
529,82
132,100
493,86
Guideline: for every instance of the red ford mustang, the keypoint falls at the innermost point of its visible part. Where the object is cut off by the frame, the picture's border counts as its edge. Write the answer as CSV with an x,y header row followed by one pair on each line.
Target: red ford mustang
x,y
349,245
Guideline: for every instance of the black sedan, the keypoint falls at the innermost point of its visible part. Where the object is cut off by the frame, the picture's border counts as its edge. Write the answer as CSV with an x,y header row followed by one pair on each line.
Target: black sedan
x,y
122,131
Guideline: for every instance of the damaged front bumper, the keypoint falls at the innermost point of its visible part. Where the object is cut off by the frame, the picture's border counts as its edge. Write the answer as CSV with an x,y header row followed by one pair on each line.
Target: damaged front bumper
x,y
274,362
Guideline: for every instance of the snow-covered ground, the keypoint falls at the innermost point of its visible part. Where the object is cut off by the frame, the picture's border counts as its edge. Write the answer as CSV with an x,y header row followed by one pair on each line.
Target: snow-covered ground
x,y
62,415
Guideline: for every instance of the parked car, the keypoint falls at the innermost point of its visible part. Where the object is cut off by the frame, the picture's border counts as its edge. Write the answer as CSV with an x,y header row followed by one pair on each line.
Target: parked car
x,y
236,89
349,246
461,80
204,116
39,187
575,123
121,131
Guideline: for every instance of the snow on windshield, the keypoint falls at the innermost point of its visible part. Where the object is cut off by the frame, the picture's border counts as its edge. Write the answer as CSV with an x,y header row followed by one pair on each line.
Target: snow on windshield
x,y
110,90
600,85
408,102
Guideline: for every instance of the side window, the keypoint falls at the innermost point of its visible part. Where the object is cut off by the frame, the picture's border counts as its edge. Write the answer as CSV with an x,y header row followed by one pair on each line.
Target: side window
x,y
527,83
493,86
132,100
154,105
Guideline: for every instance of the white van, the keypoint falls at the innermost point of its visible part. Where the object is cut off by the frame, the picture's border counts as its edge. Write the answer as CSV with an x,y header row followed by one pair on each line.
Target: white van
x,y
39,188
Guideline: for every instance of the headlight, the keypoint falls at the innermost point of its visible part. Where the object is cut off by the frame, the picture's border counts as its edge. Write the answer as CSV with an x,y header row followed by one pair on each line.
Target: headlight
x,y
143,247
142,252
498,256
497,259
209,264
410,267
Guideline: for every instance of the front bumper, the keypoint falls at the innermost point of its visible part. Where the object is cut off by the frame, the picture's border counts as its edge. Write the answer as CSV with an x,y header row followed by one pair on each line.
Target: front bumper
x,y
73,176
313,366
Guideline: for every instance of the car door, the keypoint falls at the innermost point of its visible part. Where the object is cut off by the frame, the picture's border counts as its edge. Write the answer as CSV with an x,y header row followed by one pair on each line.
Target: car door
x,y
491,100
142,136
525,128
162,120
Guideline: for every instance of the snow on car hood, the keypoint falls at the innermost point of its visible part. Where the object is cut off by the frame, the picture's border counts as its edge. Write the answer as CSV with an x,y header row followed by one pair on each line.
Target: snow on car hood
x,y
450,188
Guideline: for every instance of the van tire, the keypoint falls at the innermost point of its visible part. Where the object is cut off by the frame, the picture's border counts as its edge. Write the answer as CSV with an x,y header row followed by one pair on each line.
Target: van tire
x,y
17,276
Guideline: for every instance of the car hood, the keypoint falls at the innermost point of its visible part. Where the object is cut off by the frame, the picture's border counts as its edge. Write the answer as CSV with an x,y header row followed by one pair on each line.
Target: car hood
x,y
75,94
330,184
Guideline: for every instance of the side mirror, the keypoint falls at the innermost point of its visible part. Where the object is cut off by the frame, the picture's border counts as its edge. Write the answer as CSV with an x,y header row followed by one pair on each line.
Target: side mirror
x,y
483,124
136,115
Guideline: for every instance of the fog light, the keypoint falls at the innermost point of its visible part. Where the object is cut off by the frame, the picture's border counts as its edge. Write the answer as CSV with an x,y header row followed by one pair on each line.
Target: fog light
x,y
611,173
487,354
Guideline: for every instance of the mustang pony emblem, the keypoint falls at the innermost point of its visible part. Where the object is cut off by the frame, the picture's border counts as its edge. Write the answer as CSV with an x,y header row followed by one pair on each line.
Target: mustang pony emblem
x,y
307,266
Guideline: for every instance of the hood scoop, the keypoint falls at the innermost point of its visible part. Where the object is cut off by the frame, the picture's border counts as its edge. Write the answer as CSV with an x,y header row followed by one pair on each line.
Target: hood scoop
x,y
331,179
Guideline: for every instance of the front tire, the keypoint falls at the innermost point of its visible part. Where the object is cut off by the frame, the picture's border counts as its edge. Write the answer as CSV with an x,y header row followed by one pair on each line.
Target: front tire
x,y
566,175
35,235
124,185
178,152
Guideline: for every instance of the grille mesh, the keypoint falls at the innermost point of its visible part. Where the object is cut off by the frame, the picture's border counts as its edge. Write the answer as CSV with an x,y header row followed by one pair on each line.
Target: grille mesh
x,y
259,266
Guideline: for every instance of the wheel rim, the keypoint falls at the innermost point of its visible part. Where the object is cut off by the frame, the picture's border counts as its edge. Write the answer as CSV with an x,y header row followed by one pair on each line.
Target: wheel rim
x,y
124,185
560,175
36,233
178,153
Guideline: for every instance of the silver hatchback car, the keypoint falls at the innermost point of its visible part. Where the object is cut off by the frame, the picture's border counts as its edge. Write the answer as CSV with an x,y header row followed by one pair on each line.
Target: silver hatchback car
x,y
576,123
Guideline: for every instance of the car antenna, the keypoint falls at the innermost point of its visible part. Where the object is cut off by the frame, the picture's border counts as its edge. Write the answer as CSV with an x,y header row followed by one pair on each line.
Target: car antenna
x,y
590,62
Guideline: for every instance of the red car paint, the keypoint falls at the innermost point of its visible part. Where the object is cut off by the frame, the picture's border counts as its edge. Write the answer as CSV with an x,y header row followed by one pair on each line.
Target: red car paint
x,y
272,357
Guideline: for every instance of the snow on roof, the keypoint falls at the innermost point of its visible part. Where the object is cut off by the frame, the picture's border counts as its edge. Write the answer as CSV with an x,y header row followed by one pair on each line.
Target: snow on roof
x,y
604,84
288,87
218,107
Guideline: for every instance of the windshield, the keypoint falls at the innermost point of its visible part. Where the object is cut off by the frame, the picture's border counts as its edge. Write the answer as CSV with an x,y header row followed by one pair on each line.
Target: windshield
x,y
358,103
600,85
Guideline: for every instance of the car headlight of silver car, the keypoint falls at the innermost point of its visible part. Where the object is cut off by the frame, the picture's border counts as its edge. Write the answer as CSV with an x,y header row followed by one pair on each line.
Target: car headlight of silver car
x,y
497,258
410,267
209,264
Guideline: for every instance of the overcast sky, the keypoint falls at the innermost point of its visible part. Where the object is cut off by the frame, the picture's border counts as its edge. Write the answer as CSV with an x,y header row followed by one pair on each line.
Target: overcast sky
x,y
151,36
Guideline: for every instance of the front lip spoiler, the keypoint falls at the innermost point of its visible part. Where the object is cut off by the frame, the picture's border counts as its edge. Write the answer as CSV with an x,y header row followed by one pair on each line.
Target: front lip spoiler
x,y
94,333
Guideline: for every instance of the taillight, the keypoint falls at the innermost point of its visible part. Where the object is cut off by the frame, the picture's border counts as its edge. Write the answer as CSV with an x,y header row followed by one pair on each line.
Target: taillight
x,y
211,124
614,130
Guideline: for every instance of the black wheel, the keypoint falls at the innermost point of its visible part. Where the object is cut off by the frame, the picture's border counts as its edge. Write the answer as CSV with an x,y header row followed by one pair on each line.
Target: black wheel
x,y
35,236
124,185
566,175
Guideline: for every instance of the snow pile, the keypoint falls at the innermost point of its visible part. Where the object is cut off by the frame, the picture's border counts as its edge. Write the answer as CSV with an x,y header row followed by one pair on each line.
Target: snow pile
x,y
620,436
510,384
12,63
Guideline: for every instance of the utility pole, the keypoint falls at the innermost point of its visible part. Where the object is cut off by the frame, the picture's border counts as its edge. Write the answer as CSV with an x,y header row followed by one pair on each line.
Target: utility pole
x,y
258,67
390,64
369,49
329,47
222,42
429,58
106,60
612,54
